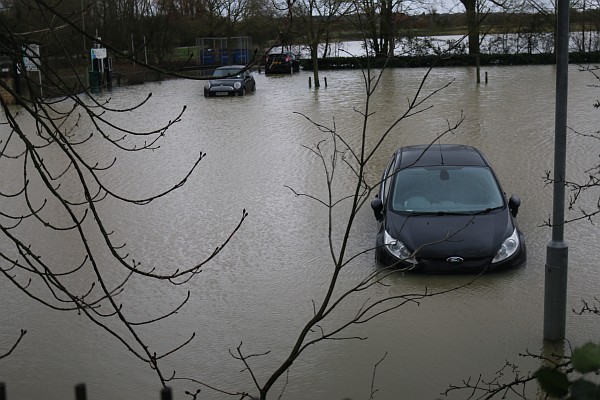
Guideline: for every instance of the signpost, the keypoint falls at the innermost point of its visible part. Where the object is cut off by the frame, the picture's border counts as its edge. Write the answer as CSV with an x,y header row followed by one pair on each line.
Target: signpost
x,y
101,67
31,60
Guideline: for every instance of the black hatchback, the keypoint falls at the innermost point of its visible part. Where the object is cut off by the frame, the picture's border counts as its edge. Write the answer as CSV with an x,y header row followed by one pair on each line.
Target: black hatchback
x,y
441,209
282,63
231,80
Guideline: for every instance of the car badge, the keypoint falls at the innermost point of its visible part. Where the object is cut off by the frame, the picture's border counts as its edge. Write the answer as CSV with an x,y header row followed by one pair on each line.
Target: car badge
x,y
455,260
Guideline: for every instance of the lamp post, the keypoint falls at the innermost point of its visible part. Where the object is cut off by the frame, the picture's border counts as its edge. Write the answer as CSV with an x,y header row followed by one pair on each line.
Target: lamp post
x,y
83,28
555,289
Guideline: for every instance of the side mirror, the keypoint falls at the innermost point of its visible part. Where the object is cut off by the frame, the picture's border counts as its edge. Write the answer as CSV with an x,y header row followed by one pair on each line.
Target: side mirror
x,y
513,205
377,206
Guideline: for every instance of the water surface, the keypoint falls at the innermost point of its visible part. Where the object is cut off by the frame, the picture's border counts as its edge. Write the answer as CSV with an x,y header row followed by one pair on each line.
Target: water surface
x,y
259,291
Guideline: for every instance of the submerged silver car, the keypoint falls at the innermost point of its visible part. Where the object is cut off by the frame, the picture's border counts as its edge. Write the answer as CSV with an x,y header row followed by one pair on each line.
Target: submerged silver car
x,y
231,80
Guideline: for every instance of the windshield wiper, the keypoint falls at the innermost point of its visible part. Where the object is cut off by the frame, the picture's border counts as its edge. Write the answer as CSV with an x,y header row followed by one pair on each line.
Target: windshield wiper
x,y
450,212
487,210
467,212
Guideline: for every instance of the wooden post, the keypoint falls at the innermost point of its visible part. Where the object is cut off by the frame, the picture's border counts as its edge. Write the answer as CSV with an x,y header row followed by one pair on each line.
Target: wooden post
x,y
2,391
486,78
80,392
325,79
309,82
166,394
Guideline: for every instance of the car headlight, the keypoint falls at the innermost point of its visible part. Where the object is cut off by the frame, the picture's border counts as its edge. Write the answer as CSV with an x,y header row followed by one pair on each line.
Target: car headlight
x,y
508,248
207,85
398,249
237,85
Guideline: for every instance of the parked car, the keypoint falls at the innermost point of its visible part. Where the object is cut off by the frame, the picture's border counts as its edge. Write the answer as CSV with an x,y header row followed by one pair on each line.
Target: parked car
x,y
282,63
231,80
440,208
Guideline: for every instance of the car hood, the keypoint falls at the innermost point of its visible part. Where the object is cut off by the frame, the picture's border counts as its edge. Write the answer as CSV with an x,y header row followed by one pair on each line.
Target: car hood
x,y
441,236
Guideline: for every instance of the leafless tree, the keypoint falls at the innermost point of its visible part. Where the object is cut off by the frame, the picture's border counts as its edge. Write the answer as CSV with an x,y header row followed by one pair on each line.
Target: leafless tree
x,y
52,183
16,343
381,21
562,366
584,199
313,23
337,156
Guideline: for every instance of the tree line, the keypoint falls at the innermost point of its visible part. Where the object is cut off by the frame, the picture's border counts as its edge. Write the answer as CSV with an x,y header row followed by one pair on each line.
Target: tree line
x,y
159,26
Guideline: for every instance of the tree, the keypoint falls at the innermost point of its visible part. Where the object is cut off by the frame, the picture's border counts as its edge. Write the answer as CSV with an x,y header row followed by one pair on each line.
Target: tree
x,y
313,20
8,351
476,12
563,374
380,24
64,197
53,184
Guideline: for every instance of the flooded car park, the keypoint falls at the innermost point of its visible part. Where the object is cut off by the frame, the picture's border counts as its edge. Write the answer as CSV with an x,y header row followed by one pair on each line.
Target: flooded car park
x,y
259,291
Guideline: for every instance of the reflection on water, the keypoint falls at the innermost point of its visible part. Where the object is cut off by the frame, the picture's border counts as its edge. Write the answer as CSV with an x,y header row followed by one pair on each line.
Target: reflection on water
x,y
260,290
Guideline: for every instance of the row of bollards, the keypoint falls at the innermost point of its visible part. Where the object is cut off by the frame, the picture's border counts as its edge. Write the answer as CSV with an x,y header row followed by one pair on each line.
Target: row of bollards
x,y
310,81
325,80
81,393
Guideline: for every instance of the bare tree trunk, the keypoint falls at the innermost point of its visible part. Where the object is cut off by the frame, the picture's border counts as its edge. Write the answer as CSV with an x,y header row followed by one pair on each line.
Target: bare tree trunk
x,y
472,25
315,64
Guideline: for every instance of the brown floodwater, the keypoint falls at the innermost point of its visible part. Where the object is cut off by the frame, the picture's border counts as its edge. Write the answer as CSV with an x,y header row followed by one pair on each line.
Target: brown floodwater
x,y
259,290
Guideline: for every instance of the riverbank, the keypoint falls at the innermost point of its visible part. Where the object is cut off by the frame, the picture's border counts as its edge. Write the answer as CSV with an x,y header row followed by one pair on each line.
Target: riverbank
x,y
456,60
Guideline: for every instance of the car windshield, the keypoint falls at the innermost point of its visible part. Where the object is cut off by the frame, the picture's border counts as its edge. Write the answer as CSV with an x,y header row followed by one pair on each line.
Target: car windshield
x,y
443,189
230,72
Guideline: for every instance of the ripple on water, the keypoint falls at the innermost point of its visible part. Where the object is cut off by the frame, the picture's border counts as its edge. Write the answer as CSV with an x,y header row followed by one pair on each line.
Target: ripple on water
x,y
260,289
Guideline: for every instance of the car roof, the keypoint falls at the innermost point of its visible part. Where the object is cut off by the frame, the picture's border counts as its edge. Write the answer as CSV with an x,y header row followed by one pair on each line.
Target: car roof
x,y
439,154
238,67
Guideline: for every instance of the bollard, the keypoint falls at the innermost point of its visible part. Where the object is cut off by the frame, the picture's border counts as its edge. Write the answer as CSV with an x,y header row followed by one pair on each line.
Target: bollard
x,y
325,79
166,394
309,82
486,79
80,392
2,391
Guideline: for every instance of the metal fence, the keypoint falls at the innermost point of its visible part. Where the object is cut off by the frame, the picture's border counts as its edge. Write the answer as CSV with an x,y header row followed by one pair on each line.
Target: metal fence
x,y
224,51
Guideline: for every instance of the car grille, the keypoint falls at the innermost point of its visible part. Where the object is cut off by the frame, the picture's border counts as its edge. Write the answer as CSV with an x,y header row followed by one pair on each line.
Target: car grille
x,y
443,265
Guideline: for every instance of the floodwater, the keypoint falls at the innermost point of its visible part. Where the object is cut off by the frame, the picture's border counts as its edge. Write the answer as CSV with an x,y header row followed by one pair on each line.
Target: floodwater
x,y
259,291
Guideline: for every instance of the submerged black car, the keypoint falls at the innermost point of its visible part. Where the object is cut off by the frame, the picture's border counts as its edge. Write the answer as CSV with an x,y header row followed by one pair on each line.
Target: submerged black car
x,y
441,209
231,80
